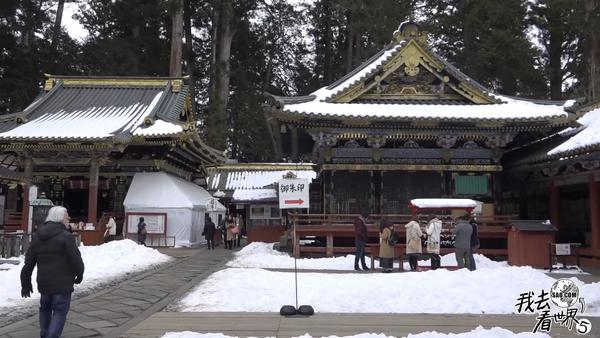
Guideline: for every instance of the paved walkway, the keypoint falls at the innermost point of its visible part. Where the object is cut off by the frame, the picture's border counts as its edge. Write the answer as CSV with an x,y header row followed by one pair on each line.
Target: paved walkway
x,y
327,324
136,307
113,311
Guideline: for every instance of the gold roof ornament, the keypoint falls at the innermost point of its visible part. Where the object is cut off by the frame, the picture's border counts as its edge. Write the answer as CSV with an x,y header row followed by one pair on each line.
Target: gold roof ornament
x,y
409,30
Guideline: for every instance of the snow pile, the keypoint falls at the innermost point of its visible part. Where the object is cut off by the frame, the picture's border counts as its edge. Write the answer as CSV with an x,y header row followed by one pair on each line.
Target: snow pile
x,y
485,291
478,332
493,288
103,263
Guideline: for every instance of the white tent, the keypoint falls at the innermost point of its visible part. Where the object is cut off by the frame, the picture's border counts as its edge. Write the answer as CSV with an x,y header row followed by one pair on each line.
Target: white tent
x,y
184,203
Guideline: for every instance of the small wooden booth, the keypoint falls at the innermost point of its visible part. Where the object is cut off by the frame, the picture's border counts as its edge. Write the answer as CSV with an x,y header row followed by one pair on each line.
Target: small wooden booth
x,y
528,243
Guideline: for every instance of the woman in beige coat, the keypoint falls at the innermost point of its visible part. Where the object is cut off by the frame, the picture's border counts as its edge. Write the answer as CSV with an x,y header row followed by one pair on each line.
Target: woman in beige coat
x,y
386,250
413,242
229,225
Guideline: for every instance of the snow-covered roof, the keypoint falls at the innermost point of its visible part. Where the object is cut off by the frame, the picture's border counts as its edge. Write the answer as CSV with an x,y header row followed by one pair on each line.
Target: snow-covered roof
x,y
254,194
510,110
588,137
161,190
361,93
255,176
99,108
431,203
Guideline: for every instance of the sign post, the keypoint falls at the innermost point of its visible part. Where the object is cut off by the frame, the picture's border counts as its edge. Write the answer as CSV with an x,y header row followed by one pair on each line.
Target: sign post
x,y
293,193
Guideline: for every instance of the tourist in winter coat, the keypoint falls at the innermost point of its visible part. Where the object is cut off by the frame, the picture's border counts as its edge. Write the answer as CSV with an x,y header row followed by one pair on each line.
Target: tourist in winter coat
x,y
360,239
59,266
229,225
386,249
434,230
209,233
474,245
462,241
142,232
413,242
111,230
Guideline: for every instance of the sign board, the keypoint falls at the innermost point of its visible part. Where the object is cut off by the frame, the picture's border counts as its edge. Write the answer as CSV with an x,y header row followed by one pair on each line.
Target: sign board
x,y
563,249
155,223
293,193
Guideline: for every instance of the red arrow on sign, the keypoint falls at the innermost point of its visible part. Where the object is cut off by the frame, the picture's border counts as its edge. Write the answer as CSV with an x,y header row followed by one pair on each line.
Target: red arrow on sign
x,y
298,201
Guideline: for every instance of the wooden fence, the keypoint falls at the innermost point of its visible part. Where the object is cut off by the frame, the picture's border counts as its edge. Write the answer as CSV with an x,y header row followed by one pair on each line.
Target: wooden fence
x,y
332,226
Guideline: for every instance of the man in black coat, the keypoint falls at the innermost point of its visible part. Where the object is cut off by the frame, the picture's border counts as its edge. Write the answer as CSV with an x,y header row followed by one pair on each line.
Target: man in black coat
x,y
474,245
360,240
209,233
59,266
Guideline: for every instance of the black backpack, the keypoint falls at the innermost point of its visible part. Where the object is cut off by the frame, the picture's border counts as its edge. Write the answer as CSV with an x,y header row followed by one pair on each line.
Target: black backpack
x,y
393,239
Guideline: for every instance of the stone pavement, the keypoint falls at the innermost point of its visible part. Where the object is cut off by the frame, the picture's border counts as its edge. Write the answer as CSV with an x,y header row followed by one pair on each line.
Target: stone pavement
x,y
339,324
113,311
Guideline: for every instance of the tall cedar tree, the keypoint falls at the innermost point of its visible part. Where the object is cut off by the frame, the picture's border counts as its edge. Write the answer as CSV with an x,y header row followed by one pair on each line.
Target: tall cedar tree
x,y
128,37
26,51
487,40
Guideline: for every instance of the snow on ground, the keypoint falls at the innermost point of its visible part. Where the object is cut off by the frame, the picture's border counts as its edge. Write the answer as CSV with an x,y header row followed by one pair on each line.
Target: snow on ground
x,y
262,255
478,332
492,289
103,263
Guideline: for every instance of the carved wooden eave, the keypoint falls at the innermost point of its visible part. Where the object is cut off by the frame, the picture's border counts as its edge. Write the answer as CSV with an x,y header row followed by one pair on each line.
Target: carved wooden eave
x,y
409,59
411,167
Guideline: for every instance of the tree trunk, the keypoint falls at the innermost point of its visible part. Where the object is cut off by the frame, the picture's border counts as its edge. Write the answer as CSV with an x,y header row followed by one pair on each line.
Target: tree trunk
x,y
189,53
592,52
555,66
349,41
176,37
217,116
328,66
57,24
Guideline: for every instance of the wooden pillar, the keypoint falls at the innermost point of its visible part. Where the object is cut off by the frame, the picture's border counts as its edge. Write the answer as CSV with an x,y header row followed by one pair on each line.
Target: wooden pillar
x,y
331,193
329,245
554,200
28,172
294,136
595,211
93,191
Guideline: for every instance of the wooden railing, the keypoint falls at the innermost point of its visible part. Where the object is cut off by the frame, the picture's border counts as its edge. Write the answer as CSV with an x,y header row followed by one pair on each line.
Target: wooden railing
x,y
333,226
12,220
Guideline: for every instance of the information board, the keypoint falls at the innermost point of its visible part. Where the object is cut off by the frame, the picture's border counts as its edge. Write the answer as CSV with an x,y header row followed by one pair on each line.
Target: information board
x,y
156,223
293,193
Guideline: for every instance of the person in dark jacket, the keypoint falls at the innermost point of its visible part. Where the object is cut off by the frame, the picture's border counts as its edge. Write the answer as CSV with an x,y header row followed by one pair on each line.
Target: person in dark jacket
x,y
474,245
142,232
462,241
209,233
59,266
360,238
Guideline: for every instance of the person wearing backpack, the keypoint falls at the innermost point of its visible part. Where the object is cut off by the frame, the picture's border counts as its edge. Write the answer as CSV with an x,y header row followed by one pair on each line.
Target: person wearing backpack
x,y
434,230
388,239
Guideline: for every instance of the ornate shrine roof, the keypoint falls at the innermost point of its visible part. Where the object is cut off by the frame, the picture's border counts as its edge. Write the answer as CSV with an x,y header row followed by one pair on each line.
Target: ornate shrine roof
x,y
407,81
95,108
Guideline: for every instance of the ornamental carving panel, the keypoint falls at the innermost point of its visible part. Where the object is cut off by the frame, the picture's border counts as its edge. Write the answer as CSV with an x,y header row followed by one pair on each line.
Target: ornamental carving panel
x,y
376,141
446,141
323,139
590,165
411,144
498,140
551,171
